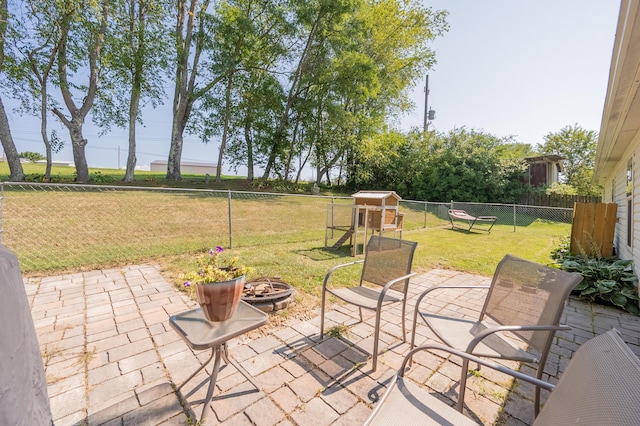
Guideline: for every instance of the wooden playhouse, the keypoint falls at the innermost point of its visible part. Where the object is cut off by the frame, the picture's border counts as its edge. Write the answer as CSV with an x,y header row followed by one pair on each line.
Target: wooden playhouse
x,y
372,211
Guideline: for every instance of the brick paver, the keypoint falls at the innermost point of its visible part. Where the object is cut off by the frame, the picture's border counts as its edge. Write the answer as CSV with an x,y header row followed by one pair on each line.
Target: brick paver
x,y
111,358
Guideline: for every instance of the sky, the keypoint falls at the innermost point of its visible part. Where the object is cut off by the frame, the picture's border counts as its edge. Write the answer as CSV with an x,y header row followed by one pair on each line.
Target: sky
x,y
505,67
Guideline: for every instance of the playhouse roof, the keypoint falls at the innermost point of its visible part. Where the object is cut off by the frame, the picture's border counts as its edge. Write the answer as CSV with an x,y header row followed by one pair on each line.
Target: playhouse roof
x,y
378,195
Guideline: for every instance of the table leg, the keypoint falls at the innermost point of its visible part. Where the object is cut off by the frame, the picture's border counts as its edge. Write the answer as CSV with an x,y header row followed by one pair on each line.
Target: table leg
x,y
213,351
212,381
229,360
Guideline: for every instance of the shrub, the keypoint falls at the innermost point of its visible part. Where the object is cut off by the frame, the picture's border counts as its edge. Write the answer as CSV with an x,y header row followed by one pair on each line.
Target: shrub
x,y
101,179
607,280
32,156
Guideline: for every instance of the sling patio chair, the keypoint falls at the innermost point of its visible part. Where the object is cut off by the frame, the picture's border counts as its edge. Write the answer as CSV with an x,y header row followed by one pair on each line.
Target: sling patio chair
x,y
386,271
598,387
525,300
460,215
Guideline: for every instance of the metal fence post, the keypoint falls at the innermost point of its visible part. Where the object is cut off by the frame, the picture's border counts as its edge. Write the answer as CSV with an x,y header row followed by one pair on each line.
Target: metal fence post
x,y
230,229
425,215
514,218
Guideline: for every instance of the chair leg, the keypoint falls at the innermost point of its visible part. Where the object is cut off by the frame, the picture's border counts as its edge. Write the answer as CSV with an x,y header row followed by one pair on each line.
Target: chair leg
x,y
536,397
360,310
413,330
463,384
322,315
376,335
404,310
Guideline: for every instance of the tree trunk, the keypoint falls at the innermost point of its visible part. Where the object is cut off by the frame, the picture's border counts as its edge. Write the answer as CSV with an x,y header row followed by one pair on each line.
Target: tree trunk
x,y
136,88
133,113
43,132
15,167
78,142
175,151
225,130
249,141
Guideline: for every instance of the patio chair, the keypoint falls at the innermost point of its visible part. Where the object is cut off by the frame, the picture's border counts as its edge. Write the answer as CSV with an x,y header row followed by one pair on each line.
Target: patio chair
x,y
598,387
525,299
461,215
386,269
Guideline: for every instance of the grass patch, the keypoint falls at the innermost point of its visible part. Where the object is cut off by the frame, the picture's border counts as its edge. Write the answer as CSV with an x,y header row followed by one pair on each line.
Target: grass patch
x,y
56,229
338,331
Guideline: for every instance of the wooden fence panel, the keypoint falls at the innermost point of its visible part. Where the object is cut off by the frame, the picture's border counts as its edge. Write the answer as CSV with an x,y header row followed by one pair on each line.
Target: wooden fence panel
x,y
593,229
556,200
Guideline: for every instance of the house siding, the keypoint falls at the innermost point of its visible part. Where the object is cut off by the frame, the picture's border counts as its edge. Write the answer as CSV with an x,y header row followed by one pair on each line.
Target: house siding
x,y
623,250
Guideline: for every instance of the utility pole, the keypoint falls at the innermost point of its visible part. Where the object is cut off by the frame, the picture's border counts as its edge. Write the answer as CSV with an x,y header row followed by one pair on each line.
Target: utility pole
x,y
429,114
425,125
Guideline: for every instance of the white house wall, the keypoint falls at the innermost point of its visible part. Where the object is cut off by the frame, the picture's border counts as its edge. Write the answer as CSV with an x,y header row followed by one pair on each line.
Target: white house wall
x,y
623,251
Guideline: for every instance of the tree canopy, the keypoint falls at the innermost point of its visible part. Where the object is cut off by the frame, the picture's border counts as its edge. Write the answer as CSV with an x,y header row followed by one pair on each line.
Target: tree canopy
x,y
578,147
462,164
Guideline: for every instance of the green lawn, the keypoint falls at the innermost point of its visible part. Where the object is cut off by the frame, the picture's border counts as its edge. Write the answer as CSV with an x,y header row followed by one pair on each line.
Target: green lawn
x,y
53,230
304,264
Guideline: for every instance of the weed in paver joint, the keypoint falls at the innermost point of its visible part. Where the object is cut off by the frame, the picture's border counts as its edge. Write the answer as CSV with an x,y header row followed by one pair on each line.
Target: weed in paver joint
x,y
475,373
357,365
51,379
499,395
192,422
86,356
338,331
49,354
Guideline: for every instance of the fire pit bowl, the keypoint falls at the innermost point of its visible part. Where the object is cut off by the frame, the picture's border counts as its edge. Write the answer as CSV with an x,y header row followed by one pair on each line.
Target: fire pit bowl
x,y
268,293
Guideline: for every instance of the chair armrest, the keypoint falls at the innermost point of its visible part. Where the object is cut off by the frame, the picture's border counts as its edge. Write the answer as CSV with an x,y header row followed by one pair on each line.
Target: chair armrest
x,y
388,285
335,268
473,358
473,343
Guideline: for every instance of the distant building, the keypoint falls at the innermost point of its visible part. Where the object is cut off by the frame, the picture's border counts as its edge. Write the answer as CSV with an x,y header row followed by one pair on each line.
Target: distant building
x,y
544,170
189,167
57,163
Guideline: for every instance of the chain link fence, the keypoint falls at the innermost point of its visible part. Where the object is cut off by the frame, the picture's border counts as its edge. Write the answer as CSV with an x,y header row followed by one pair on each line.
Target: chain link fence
x,y
56,226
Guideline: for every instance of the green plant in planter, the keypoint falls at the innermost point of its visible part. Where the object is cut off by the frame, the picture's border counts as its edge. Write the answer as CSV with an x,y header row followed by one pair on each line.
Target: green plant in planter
x,y
609,280
213,267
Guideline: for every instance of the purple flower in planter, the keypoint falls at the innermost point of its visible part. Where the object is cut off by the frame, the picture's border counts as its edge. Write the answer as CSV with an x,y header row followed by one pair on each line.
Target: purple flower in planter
x,y
219,249
187,284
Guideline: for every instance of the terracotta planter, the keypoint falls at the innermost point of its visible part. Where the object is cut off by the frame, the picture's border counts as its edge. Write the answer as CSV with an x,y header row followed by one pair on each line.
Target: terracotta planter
x,y
220,300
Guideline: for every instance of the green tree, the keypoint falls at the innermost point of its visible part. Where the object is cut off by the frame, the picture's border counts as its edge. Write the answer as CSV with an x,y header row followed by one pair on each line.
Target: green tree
x,y
82,29
193,76
15,167
393,161
352,74
138,50
578,147
34,59
33,156
247,43
468,165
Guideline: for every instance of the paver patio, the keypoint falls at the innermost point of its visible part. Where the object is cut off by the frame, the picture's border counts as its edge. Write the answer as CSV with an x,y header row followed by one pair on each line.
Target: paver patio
x,y
111,357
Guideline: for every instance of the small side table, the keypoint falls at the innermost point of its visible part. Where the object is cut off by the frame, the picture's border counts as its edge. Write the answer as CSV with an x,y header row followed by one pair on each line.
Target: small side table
x,y
201,334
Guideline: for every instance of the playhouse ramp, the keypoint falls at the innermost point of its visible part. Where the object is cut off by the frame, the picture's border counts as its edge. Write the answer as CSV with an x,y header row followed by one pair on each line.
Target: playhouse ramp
x,y
343,239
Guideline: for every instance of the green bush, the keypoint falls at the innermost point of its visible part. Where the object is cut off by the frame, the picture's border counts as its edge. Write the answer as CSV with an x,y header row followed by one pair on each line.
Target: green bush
x,y
608,281
33,156
102,179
